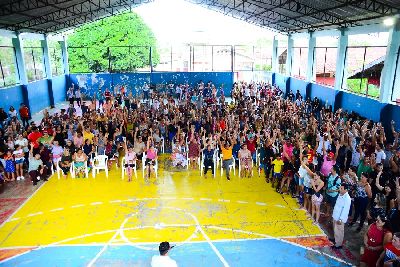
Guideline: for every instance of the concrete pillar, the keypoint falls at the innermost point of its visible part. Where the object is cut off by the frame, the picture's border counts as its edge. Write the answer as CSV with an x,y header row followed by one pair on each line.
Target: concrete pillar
x,y
389,68
274,54
311,58
289,55
19,55
46,57
340,73
64,51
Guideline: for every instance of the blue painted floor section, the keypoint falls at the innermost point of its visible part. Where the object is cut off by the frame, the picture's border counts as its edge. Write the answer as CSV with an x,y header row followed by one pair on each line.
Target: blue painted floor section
x,y
254,253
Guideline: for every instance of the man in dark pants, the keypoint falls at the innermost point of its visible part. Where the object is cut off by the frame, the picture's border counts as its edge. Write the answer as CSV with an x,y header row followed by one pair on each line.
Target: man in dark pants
x,y
208,155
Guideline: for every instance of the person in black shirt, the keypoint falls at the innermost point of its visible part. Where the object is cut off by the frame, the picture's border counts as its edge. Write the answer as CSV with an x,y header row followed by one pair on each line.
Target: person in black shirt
x,y
208,160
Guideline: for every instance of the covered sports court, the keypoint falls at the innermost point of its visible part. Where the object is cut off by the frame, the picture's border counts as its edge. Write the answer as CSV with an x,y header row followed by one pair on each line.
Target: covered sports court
x,y
106,221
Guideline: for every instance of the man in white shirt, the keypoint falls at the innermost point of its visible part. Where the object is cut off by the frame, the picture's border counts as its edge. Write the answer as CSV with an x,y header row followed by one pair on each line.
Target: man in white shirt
x,y
380,155
163,260
340,216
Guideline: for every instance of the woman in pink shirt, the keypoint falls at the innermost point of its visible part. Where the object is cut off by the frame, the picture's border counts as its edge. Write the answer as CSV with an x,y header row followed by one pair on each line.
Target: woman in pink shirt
x,y
151,156
328,163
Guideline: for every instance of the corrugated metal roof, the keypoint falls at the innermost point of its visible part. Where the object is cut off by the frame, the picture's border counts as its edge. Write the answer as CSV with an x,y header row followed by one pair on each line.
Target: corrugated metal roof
x,y
281,15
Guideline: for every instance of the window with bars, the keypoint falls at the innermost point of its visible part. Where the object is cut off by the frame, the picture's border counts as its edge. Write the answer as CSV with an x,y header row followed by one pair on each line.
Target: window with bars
x,y
363,69
34,63
299,62
325,65
281,57
8,66
56,59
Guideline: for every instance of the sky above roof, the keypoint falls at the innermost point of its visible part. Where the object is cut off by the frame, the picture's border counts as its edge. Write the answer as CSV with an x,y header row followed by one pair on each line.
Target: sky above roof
x,y
180,22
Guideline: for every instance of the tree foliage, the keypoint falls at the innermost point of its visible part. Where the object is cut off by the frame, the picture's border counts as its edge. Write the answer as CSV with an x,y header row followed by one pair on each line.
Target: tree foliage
x,y
123,39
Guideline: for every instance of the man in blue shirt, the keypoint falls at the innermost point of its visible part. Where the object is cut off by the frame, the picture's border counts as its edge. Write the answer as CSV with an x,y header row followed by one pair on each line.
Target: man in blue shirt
x,y
208,156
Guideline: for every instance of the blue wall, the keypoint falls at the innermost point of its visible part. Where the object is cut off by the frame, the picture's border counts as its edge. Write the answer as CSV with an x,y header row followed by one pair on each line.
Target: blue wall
x,y
325,94
92,82
281,81
11,96
301,85
38,95
366,107
59,92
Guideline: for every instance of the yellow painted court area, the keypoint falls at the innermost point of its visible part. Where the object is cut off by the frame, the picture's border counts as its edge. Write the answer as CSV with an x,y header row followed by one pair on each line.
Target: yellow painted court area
x,y
171,207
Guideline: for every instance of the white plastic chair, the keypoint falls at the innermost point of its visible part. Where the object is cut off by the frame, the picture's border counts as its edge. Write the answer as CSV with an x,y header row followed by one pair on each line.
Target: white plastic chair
x,y
144,166
124,169
162,145
100,162
58,170
231,166
73,174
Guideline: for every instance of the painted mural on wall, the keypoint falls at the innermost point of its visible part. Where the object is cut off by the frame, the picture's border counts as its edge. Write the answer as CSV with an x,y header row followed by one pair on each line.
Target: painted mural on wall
x,y
134,82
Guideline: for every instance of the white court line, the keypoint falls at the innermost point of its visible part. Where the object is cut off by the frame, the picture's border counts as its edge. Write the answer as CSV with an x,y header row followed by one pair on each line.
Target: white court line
x,y
116,201
103,249
187,198
279,206
77,206
14,219
224,200
34,214
57,209
205,199
242,202
96,203
261,203
23,204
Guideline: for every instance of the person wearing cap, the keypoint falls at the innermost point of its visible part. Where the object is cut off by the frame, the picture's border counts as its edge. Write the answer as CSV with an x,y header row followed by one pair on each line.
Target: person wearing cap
x,y
163,260
340,216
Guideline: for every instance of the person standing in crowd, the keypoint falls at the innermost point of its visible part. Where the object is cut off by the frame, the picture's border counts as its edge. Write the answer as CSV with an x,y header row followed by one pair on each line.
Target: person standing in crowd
x,y
340,216
70,94
24,114
78,96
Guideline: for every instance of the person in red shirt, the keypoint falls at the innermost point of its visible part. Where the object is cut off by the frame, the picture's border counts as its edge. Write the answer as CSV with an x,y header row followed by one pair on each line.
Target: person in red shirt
x,y
24,114
391,255
34,136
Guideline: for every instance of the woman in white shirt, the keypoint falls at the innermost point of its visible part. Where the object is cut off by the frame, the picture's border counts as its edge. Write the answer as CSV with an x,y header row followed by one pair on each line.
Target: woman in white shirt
x,y
19,162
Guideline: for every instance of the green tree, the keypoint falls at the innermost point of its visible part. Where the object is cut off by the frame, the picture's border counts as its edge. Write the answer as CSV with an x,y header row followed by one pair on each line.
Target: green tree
x,y
124,39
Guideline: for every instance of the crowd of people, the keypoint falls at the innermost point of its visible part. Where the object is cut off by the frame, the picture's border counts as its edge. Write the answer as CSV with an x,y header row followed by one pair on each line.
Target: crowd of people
x,y
336,164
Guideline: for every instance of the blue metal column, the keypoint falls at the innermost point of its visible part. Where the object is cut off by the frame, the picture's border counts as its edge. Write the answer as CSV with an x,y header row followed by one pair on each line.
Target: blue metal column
x,y
274,55
23,78
47,65
341,60
289,55
389,68
311,58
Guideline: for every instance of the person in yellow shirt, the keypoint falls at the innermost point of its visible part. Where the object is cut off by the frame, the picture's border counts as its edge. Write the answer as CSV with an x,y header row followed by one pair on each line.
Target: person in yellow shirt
x,y
227,159
278,164
88,135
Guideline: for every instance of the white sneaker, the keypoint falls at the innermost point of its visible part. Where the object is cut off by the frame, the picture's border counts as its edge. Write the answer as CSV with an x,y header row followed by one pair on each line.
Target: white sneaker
x,y
17,178
38,178
22,177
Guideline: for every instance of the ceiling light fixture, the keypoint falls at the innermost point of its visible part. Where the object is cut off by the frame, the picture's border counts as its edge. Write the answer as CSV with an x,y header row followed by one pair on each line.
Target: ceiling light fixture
x,y
389,21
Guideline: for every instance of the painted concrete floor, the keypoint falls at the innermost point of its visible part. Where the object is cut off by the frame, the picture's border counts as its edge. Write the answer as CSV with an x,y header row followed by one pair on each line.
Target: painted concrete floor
x,y
112,222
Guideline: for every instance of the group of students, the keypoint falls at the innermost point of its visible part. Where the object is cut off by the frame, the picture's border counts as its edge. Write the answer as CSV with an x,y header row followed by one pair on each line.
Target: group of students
x,y
300,147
